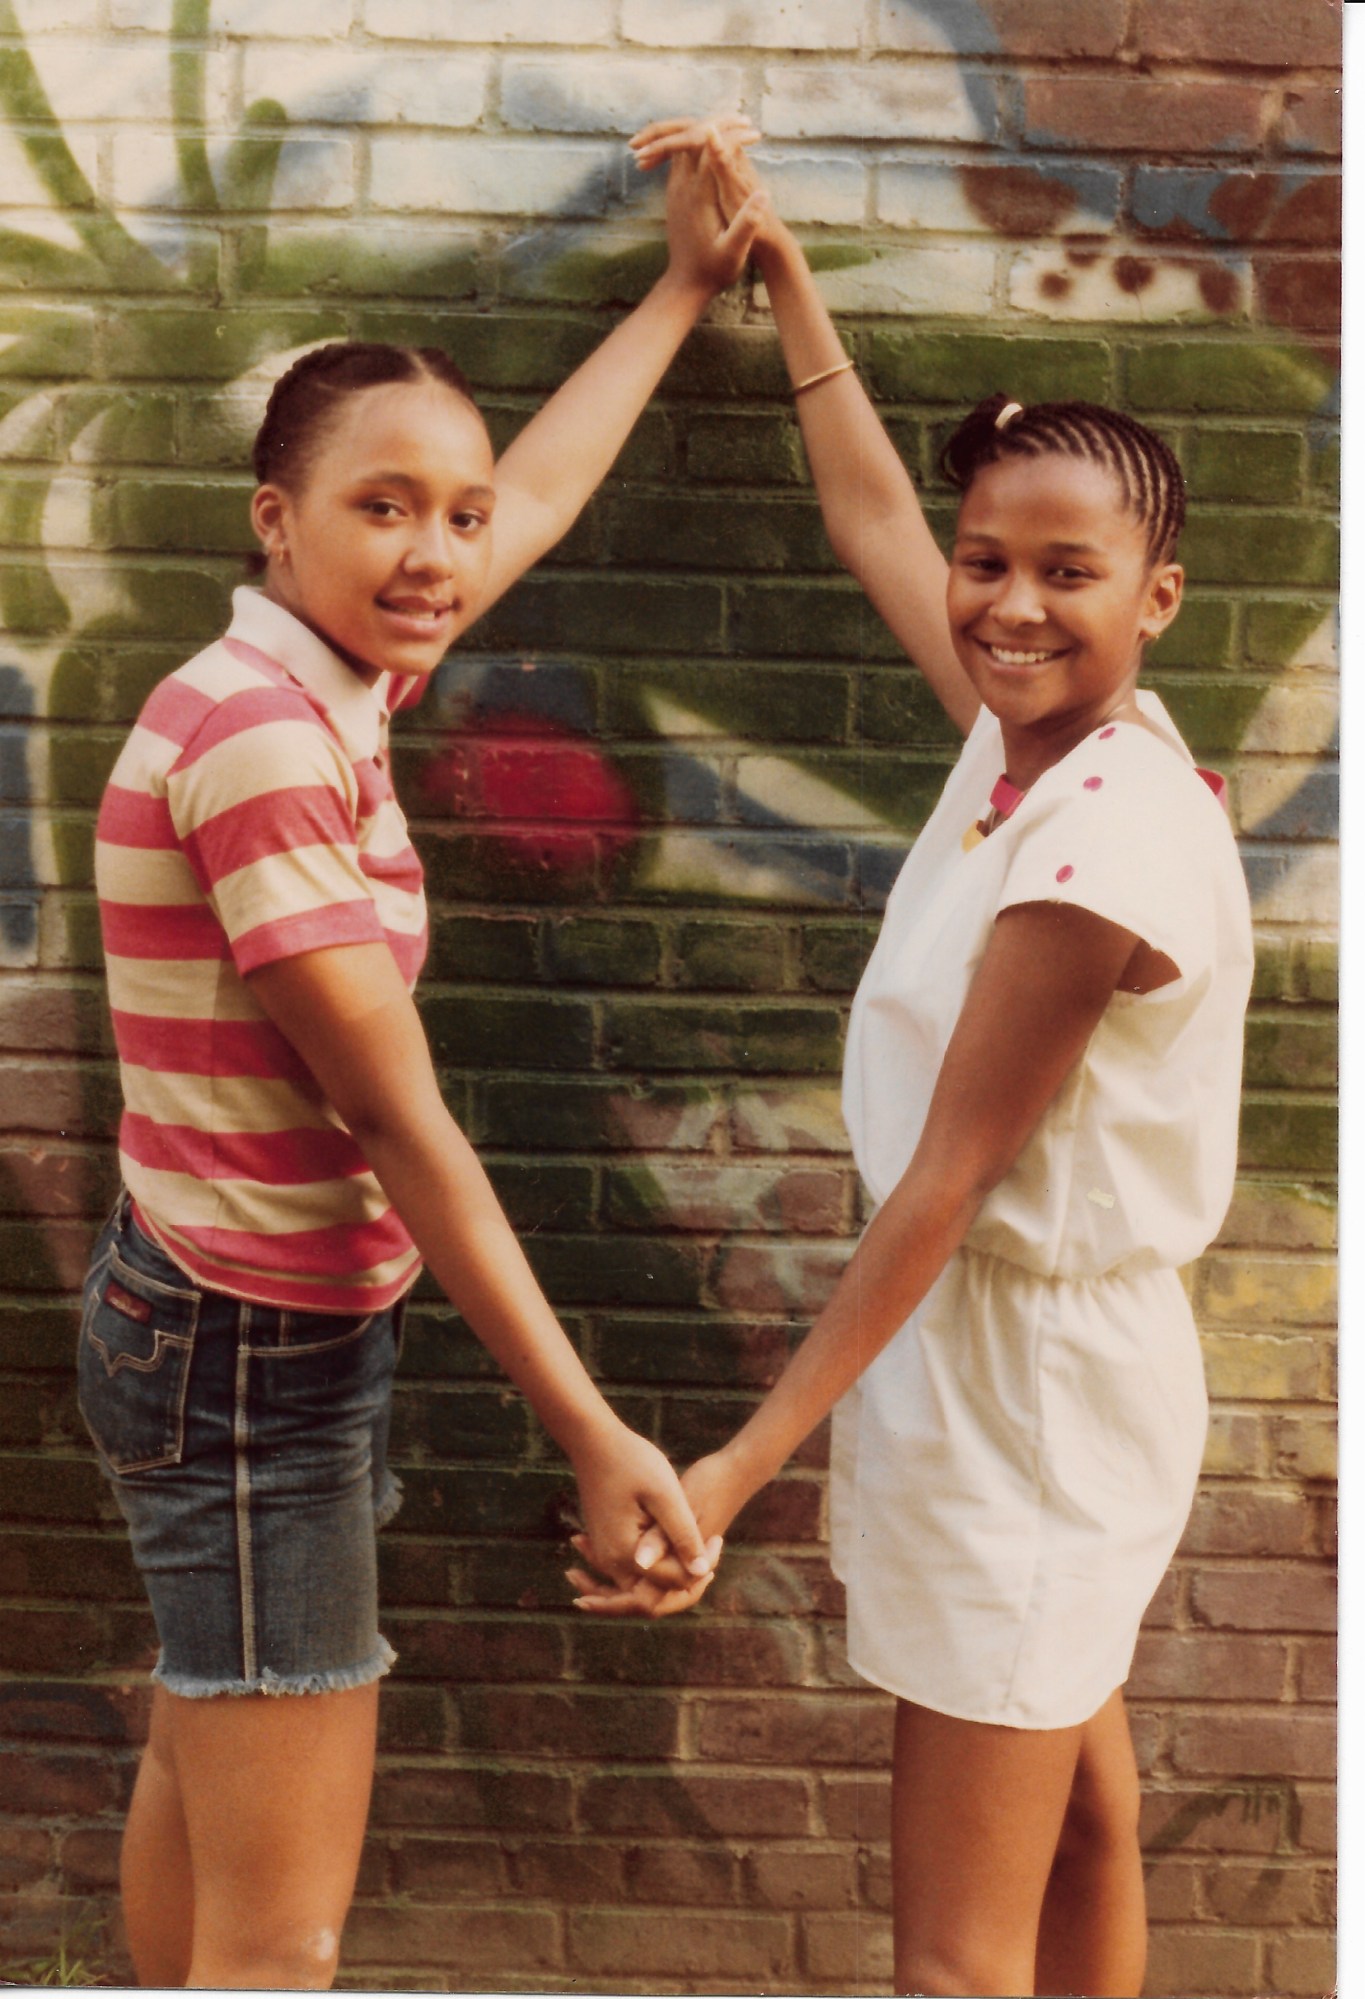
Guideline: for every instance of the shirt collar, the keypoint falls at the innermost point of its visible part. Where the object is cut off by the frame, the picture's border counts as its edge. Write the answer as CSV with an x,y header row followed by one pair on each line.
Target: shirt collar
x,y
358,712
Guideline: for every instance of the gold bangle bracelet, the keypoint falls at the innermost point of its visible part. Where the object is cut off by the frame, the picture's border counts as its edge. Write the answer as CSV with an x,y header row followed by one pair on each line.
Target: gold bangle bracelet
x,y
798,388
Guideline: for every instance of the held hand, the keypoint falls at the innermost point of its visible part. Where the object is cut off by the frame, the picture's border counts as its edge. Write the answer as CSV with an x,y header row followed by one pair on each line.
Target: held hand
x,y
717,1492
626,1486
641,1597
708,245
721,144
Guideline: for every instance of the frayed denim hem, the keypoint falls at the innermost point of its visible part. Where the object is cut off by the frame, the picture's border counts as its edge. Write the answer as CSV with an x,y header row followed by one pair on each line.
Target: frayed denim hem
x,y
339,1680
387,1507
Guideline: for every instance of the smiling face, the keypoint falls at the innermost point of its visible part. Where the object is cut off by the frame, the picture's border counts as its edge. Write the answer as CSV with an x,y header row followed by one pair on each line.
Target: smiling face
x,y
1051,597
383,546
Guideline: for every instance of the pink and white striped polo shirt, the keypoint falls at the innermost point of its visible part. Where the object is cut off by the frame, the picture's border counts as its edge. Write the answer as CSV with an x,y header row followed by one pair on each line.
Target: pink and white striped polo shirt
x,y
249,818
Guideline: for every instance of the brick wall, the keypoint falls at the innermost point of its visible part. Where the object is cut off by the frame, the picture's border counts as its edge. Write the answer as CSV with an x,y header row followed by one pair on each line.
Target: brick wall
x,y
659,797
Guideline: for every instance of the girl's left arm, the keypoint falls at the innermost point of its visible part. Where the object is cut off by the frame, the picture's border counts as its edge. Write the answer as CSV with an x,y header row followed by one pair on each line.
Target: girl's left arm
x,y
1046,977
348,1014
550,471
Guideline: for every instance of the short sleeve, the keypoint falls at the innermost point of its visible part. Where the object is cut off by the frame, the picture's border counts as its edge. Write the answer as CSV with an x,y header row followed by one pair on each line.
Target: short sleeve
x,y
264,804
1122,826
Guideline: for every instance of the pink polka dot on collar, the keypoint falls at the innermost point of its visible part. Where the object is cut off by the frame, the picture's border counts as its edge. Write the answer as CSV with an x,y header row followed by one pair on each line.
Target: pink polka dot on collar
x,y
1065,874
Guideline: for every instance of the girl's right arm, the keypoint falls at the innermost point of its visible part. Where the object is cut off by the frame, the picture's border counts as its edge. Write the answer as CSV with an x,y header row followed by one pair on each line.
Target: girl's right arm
x,y
871,512
1046,977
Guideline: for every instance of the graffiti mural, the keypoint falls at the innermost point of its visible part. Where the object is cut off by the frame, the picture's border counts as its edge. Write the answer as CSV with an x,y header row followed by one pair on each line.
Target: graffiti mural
x,y
662,791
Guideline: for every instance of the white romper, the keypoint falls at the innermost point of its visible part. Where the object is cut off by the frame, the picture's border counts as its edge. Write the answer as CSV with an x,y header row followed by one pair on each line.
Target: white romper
x,y
1011,1475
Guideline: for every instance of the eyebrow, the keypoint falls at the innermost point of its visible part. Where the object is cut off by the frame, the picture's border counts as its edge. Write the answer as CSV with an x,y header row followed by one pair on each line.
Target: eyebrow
x,y
411,485
1051,548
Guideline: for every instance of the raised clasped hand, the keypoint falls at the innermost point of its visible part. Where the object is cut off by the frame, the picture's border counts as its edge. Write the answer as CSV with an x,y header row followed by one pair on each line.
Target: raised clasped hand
x,y
719,147
710,230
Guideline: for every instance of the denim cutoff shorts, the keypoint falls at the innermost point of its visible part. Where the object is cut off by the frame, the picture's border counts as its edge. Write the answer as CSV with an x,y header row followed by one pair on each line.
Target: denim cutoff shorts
x,y
247,1449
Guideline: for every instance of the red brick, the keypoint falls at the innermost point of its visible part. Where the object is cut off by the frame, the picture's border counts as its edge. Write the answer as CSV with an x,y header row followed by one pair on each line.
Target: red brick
x,y
1197,1665
74,1711
372,1876
490,1796
762,1583
784,1877
1248,1522
805,1730
83,1567
1120,114
787,1510
1301,1598
1300,292
1173,1889
39,1784
566,1870
1317,1675
645,1942
90,1860
1147,1730
857,1807
418,1573
1164,1607
50,1181
1304,1446
1264,32
1184,1960
467,1649
41,1017
705,1652
1222,1818
1248,1894
585,1721
847,1951
490,1937
415,1718
1305,1964
25,1856
1316,1829
875,1877
1234,1447
1294,1744
783,1278
448,1870
1017,28
1312,120
676,1873
700,1802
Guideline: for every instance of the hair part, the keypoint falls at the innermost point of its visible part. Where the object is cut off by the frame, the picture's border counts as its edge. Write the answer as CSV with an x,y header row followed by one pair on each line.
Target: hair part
x,y
1142,464
305,399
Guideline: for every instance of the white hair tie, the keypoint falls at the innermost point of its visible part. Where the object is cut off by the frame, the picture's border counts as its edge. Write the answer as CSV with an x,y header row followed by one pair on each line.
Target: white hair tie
x,y
1007,415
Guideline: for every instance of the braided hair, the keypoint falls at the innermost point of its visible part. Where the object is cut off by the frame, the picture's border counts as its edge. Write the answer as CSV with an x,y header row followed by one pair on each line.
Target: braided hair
x,y
305,398
1144,467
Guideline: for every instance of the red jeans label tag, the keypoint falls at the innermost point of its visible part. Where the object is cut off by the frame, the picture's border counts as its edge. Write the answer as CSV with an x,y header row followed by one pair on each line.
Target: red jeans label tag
x,y
124,1301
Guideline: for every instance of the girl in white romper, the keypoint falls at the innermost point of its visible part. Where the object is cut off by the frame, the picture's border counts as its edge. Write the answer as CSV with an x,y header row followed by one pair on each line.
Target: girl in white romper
x,y
1041,1086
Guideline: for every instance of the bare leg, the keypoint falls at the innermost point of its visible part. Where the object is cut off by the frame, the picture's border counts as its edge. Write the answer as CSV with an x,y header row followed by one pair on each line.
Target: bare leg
x,y
276,1790
154,1865
976,1813
1093,1936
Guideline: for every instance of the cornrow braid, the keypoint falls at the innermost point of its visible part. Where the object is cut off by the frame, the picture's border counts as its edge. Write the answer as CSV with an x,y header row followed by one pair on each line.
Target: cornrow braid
x,y
305,398
1142,464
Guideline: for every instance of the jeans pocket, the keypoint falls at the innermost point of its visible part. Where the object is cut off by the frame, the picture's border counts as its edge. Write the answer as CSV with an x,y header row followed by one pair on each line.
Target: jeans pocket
x,y
133,1368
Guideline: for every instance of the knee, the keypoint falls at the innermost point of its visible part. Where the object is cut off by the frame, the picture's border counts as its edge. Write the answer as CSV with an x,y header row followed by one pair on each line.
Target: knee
x,y
960,1969
298,1957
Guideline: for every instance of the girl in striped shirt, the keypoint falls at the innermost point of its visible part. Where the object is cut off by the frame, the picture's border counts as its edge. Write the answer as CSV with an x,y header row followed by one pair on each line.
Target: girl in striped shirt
x,y
288,1161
